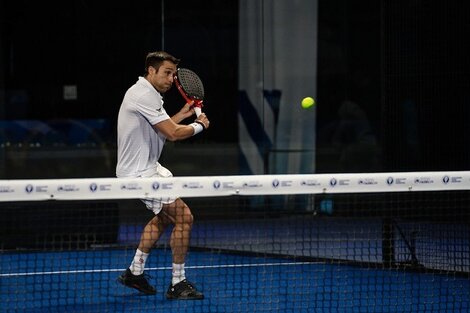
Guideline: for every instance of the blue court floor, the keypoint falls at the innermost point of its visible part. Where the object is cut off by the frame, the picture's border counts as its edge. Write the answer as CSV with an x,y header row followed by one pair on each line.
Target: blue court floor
x,y
85,281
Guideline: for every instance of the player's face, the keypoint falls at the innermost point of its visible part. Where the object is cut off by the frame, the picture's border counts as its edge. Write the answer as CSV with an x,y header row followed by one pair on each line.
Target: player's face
x,y
162,79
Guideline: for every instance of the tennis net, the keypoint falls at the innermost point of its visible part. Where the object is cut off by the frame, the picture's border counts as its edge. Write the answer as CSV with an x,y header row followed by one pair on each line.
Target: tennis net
x,y
369,242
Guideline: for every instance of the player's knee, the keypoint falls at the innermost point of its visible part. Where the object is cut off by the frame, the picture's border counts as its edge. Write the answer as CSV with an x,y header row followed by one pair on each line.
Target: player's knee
x,y
188,217
183,218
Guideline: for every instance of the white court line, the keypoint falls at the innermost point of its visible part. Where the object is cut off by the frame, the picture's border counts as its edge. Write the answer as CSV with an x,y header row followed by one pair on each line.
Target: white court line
x,y
158,268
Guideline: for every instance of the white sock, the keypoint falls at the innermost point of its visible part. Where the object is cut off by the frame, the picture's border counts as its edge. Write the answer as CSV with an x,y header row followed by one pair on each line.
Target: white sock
x,y
178,273
138,263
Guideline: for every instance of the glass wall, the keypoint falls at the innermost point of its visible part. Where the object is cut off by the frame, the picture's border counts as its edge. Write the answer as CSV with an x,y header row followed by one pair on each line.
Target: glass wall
x,y
277,69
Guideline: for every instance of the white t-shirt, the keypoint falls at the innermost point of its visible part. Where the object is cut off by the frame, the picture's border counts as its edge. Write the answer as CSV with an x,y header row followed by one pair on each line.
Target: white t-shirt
x,y
139,145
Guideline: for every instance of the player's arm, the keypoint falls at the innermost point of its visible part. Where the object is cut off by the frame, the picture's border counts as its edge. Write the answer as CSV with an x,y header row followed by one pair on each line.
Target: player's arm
x,y
174,132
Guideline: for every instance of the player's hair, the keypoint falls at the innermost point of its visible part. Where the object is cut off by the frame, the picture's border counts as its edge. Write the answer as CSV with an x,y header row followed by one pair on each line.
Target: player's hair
x,y
155,59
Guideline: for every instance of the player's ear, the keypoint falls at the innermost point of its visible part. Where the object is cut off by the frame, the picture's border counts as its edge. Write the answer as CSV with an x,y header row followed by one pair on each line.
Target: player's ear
x,y
152,70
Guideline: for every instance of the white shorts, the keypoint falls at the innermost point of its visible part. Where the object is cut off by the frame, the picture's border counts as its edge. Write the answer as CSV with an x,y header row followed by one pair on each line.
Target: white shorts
x,y
155,204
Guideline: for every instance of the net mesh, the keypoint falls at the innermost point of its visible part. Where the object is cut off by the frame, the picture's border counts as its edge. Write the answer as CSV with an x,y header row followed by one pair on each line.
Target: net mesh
x,y
396,251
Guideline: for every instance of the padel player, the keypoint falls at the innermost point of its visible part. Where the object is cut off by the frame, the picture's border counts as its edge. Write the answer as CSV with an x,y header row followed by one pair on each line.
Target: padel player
x,y
143,127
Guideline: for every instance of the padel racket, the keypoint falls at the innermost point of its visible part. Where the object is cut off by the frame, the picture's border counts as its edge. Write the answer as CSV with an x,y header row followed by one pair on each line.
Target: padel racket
x,y
190,87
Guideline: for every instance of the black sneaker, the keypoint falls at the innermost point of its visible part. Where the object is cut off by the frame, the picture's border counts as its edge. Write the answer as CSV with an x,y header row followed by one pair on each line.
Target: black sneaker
x,y
138,282
183,290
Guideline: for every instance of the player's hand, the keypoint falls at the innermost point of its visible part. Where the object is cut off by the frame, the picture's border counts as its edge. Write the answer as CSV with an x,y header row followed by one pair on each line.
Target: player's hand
x,y
204,120
187,110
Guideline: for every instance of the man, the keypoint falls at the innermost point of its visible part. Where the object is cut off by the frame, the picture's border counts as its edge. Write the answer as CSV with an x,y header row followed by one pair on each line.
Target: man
x,y
143,127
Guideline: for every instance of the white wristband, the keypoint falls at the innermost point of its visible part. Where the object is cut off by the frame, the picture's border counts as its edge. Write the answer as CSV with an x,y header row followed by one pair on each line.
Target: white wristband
x,y
197,128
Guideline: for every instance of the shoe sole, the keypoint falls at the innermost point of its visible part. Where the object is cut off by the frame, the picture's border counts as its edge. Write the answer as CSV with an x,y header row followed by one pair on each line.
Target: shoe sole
x,y
184,298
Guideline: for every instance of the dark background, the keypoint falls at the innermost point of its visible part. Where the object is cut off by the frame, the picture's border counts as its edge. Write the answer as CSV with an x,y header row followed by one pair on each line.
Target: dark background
x,y
101,48
393,78
406,65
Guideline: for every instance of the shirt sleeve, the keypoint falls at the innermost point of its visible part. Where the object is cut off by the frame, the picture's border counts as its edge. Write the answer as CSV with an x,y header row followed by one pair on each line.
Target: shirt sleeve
x,y
151,109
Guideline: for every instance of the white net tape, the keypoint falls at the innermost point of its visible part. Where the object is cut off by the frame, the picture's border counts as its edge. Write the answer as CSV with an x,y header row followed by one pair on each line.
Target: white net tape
x,y
208,186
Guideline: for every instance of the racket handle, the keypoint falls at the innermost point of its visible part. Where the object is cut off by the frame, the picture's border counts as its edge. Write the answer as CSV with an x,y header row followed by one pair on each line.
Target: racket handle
x,y
198,111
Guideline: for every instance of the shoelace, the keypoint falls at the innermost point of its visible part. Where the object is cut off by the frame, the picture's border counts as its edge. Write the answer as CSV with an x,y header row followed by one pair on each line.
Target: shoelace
x,y
188,284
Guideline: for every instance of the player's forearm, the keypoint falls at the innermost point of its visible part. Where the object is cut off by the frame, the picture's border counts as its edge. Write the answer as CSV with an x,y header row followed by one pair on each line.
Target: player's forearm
x,y
178,117
183,132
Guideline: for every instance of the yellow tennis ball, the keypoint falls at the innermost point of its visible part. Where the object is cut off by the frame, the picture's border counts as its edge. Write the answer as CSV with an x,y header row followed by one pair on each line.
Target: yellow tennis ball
x,y
307,102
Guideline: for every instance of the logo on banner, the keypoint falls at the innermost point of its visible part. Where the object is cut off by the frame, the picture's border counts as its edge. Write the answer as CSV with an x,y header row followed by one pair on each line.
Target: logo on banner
x,y
452,179
155,185
367,181
192,185
281,183
93,187
6,189
217,184
167,186
311,183
423,180
131,186
29,188
397,181
342,182
67,188
252,184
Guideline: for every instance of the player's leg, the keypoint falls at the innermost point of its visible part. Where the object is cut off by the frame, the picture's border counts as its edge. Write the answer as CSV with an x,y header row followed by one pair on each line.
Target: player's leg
x,y
151,233
134,276
180,214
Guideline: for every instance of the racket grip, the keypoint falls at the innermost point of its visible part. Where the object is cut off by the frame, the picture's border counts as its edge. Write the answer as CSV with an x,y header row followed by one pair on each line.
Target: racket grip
x,y
198,111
